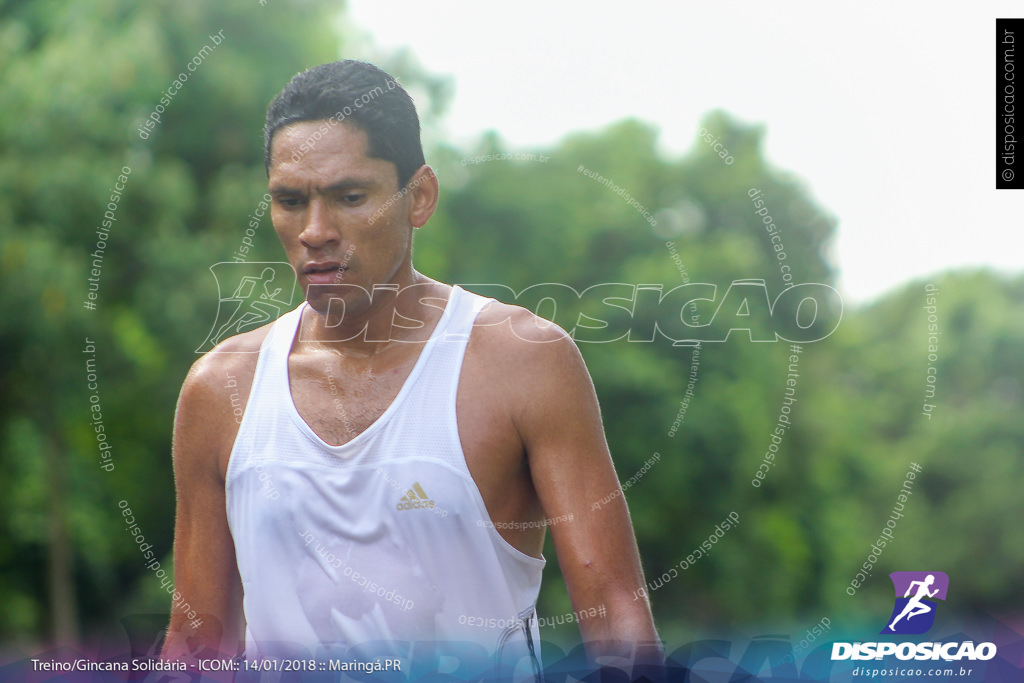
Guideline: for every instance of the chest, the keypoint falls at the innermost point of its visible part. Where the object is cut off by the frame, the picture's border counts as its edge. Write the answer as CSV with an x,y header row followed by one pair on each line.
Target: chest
x,y
340,401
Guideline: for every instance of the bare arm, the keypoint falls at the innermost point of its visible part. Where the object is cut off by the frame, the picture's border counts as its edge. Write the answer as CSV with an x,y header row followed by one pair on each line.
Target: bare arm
x,y
571,469
205,572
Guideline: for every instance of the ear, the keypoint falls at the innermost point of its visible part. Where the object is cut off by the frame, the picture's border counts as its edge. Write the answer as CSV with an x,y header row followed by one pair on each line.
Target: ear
x,y
423,191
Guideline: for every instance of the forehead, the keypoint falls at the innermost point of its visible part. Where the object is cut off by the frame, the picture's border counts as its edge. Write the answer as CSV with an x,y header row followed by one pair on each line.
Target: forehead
x,y
324,151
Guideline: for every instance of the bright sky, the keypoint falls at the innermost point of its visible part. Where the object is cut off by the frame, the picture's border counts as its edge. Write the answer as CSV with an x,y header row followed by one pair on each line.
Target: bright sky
x,y
885,110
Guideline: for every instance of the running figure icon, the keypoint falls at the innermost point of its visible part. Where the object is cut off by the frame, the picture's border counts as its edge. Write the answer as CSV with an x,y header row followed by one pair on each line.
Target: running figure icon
x,y
915,606
249,295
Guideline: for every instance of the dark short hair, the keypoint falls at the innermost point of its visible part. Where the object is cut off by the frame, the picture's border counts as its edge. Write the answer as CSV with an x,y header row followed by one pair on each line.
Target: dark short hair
x,y
360,94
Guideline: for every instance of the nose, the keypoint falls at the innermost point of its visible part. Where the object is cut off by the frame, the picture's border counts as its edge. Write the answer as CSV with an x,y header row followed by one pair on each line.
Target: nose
x,y
318,231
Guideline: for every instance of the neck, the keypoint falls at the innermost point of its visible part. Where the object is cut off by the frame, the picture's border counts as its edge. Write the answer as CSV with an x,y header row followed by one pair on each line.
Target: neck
x,y
361,323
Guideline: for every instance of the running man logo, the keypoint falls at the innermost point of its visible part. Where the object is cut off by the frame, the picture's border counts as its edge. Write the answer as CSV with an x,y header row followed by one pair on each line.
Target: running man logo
x,y
414,498
914,612
249,295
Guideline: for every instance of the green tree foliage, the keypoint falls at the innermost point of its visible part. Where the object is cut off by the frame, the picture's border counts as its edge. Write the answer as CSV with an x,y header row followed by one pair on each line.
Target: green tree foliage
x,y
77,81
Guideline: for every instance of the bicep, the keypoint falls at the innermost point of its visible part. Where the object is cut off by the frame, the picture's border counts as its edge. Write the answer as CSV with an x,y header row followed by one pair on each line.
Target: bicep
x,y
205,571
575,480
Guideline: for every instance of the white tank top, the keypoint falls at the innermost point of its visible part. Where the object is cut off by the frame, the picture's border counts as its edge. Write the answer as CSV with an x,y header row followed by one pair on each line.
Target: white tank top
x,y
380,547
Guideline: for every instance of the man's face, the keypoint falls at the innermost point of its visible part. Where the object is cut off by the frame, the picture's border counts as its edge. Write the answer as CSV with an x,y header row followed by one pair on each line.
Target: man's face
x,y
329,211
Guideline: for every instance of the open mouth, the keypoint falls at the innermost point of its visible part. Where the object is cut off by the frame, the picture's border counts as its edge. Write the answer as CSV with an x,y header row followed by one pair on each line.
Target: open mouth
x,y
325,272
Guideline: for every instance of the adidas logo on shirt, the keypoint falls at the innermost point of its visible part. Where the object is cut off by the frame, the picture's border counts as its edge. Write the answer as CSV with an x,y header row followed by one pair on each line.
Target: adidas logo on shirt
x,y
416,497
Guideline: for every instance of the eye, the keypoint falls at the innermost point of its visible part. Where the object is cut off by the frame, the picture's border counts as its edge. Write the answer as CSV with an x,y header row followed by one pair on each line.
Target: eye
x,y
290,202
352,197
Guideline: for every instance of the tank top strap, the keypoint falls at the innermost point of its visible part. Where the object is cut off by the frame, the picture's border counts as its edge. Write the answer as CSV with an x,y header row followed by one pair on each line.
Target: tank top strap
x,y
439,381
275,350
467,307
270,378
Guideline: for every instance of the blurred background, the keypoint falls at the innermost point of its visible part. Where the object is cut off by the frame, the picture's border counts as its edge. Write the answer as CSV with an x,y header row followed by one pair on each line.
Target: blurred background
x,y
78,78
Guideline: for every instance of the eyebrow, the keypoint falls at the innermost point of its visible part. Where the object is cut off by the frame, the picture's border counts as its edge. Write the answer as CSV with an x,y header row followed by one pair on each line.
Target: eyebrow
x,y
340,186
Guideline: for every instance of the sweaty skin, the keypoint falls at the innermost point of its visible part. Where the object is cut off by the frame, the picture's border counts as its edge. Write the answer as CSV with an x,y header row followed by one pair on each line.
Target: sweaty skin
x,y
527,412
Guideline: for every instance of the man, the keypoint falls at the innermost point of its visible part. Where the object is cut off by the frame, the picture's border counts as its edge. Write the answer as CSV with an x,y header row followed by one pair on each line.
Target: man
x,y
404,443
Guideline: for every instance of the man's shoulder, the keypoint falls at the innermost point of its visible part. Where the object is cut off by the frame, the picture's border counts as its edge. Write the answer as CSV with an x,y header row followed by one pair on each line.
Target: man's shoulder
x,y
216,387
509,324
531,370
520,340
234,358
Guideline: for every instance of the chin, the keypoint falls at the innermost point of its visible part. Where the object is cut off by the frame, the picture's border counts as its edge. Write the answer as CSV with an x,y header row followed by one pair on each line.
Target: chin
x,y
319,297
319,304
